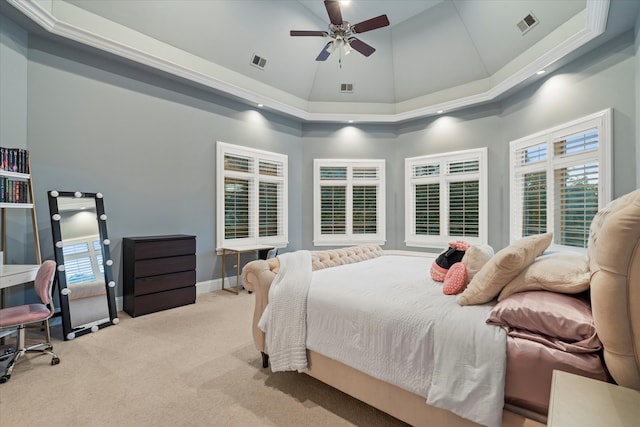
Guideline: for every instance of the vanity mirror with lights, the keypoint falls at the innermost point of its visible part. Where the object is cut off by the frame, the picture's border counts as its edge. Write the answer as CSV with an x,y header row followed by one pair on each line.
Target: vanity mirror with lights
x,y
82,250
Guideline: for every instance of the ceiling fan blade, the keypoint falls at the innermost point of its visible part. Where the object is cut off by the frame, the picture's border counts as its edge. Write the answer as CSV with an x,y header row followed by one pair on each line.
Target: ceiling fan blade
x,y
370,24
333,9
361,46
308,33
324,54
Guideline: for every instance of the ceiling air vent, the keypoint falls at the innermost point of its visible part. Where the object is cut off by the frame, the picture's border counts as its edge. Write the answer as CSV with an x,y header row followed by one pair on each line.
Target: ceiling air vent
x,y
527,23
258,62
346,87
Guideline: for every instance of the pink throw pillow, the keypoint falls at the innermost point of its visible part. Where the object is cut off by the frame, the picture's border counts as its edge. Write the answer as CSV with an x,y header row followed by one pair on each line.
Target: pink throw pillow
x,y
456,279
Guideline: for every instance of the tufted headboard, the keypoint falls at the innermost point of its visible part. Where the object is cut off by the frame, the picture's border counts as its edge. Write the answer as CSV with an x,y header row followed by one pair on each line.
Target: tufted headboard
x,y
257,275
614,261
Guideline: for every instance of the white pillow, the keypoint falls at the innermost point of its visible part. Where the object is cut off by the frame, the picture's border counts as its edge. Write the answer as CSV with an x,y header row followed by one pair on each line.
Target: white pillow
x,y
475,258
563,272
502,268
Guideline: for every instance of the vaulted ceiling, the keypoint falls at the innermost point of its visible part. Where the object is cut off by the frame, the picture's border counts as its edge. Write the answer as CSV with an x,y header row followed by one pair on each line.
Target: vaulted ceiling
x,y
435,55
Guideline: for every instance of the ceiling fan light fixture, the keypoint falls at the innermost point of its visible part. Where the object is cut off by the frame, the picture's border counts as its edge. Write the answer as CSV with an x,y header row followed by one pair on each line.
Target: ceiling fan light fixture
x,y
346,47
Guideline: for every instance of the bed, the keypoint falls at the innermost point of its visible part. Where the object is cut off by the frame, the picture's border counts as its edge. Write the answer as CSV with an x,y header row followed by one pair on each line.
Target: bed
x,y
609,333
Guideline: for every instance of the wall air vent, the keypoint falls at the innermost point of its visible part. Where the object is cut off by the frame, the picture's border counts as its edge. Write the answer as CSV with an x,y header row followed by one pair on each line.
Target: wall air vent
x,y
346,87
527,23
258,62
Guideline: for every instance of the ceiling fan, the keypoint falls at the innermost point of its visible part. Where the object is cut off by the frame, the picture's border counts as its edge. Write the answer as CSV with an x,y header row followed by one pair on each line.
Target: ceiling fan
x,y
343,33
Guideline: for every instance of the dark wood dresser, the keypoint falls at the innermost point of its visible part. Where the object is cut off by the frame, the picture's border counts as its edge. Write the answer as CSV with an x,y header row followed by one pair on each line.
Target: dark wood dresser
x,y
159,272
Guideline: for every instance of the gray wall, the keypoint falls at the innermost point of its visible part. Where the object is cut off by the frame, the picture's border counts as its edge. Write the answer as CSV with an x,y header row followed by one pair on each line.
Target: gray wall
x,y
147,142
13,130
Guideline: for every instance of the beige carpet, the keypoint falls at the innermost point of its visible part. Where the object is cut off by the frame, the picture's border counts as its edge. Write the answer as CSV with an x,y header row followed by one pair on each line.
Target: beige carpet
x,y
190,366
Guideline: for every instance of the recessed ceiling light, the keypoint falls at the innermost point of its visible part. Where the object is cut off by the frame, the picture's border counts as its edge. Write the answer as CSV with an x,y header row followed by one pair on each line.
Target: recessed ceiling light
x,y
541,72
344,2
260,105
440,111
350,121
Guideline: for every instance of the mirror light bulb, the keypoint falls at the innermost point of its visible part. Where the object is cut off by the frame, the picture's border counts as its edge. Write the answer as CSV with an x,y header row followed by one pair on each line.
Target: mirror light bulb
x,y
71,335
77,194
99,195
109,262
103,217
65,291
54,193
115,320
55,217
94,328
106,242
58,244
61,267
112,284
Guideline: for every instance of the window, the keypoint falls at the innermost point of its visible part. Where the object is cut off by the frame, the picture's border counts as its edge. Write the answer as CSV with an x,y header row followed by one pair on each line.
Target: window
x,y
83,260
446,198
560,178
252,189
349,202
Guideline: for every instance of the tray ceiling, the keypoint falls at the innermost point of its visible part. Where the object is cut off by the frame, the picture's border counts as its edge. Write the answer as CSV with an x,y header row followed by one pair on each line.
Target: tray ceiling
x,y
435,55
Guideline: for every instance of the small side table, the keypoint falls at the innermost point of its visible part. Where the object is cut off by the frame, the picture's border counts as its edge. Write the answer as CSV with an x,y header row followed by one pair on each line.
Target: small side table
x,y
585,402
238,250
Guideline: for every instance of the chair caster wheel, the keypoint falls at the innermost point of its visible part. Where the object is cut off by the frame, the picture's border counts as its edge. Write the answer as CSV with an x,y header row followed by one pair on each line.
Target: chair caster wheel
x,y
55,361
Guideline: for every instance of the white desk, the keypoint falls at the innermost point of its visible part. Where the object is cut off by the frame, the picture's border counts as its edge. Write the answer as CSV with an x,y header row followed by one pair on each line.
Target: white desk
x,y
585,402
12,275
238,250
15,274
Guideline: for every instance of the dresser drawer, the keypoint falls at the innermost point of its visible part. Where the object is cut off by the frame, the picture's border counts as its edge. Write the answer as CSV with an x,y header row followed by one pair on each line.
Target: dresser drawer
x,y
165,282
158,301
166,248
157,266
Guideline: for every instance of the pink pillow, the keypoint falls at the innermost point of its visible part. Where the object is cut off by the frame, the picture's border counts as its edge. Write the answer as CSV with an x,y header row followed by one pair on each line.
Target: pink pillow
x,y
551,314
456,279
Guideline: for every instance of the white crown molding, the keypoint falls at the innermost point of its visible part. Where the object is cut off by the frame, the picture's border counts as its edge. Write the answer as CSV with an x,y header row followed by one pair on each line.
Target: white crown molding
x,y
596,13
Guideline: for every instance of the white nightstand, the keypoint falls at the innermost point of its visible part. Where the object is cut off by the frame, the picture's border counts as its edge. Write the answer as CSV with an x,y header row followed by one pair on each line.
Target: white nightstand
x,y
581,401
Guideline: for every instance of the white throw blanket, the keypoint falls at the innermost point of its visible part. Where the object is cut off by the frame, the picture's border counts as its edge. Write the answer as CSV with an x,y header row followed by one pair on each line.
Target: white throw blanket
x,y
286,313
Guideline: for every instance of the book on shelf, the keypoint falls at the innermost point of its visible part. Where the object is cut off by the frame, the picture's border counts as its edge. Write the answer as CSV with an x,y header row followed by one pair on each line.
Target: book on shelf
x,y
13,191
14,160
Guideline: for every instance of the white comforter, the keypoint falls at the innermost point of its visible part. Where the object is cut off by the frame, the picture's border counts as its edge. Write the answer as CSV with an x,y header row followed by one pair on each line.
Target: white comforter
x,y
387,318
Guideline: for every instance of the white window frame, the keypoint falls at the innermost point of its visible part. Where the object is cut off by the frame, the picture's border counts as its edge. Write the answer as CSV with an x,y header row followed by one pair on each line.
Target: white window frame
x,y
600,121
254,239
443,178
349,238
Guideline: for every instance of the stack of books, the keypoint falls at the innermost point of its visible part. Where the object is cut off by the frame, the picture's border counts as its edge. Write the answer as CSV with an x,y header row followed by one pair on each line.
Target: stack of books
x,y
14,190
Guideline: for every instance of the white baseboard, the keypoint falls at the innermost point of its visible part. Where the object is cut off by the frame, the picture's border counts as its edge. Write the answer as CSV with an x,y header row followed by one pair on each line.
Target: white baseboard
x,y
208,286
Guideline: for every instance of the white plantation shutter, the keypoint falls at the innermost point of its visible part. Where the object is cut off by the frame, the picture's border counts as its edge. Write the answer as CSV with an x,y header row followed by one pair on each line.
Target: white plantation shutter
x,y
427,209
349,201
254,207
333,209
560,178
83,260
236,208
446,198
576,187
464,209
270,198
365,199
531,178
